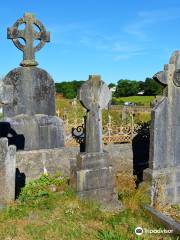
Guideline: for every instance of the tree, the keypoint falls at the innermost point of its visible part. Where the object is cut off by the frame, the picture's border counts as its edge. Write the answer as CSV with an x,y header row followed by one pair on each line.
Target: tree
x,y
111,85
126,88
152,87
68,89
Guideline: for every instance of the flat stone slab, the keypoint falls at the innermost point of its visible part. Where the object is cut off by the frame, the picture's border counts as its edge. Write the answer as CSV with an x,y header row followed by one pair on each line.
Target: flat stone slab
x,y
168,222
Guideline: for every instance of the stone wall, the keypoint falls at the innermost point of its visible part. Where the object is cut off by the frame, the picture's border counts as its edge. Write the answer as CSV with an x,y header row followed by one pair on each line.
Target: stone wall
x,y
34,163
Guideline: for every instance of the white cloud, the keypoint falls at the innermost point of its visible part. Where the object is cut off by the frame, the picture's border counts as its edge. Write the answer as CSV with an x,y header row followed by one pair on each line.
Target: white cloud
x,y
147,19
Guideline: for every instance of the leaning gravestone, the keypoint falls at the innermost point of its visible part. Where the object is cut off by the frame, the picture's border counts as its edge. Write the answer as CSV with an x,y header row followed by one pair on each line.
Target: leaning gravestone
x,y
32,110
93,176
164,166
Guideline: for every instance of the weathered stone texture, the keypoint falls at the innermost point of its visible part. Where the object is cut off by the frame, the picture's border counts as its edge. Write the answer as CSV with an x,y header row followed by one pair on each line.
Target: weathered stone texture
x,y
31,112
32,163
94,95
92,174
40,131
165,136
29,35
7,171
6,93
33,92
93,178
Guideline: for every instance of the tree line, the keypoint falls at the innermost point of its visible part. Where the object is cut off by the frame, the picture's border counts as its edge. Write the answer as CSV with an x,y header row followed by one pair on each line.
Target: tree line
x,y
123,88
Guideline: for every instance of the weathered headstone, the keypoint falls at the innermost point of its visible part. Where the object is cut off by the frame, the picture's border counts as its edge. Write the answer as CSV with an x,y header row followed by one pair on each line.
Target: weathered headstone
x,y
7,171
93,176
164,166
32,109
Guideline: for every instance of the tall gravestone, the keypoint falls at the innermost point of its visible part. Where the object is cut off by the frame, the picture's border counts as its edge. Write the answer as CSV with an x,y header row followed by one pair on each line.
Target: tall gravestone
x,y
164,166
32,110
93,176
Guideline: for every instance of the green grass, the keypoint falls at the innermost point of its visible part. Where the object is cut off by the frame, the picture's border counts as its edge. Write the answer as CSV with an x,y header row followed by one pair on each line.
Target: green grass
x,y
43,214
67,110
72,113
139,100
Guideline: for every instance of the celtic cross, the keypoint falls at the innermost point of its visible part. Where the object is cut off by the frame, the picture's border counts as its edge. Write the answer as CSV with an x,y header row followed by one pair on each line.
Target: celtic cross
x,y
29,35
94,95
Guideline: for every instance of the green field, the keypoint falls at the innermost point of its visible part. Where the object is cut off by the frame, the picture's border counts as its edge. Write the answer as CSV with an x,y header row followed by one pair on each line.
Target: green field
x,y
139,100
49,209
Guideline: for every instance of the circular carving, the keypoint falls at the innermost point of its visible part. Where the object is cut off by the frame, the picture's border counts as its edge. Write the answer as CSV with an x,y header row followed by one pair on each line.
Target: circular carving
x,y
41,35
29,35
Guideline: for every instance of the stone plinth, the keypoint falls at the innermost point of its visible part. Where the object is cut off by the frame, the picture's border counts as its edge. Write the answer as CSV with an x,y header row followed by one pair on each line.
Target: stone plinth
x,y
40,131
165,185
93,179
33,92
7,171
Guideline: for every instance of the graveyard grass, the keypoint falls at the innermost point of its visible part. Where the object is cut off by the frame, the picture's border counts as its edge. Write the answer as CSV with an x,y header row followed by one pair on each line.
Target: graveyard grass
x,y
139,100
65,108
49,209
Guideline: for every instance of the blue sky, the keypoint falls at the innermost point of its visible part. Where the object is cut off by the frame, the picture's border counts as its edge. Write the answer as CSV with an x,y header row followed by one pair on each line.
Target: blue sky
x,y
114,38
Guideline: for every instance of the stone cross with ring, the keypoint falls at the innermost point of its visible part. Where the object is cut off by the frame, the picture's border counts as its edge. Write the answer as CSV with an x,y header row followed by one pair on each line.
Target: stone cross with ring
x,y
28,35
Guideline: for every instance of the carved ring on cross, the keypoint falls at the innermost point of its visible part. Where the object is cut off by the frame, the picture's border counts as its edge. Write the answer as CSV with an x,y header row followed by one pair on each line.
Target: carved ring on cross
x,y
29,35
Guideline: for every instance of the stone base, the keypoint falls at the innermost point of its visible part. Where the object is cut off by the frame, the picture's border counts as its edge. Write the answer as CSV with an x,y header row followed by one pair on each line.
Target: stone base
x,y
37,162
40,131
93,179
106,197
165,185
58,159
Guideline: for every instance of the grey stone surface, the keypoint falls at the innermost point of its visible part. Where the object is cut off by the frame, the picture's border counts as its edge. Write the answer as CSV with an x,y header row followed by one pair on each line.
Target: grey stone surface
x,y
33,163
29,35
32,110
6,93
93,178
165,185
7,171
33,92
94,95
40,131
121,157
92,175
165,133
167,221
